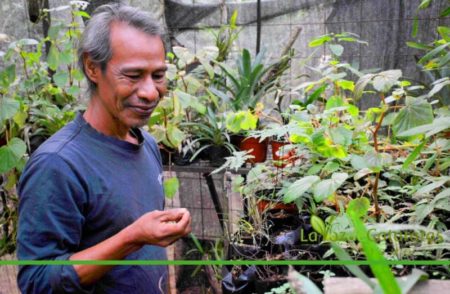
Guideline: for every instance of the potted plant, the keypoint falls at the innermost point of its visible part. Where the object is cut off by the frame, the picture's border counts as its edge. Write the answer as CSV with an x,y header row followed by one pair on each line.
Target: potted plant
x,y
212,137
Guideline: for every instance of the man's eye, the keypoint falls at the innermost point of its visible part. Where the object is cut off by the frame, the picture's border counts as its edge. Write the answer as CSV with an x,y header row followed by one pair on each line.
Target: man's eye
x,y
159,77
133,76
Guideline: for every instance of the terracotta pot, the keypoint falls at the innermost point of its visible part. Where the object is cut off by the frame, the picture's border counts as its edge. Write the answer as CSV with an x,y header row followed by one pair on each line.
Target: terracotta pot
x,y
281,160
265,205
258,149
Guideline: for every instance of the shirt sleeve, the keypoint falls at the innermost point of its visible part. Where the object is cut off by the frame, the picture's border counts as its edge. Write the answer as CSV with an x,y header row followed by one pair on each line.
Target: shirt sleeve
x,y
51,205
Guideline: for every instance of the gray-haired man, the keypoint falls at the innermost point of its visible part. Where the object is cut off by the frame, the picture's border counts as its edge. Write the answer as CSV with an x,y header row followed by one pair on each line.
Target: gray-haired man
x,y
93,191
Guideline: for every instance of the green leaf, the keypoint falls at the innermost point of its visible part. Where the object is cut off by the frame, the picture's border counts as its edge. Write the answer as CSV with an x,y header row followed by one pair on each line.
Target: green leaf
x,y
413,155
8,108
433,53
346,85
358,162
415,27
331,167
445,33
384,81
445,12
425,190
334,101
66,57
73,90
438,125
61,78
53,58
7,76
318,225
341,136
415,113
358,207
197,243
242,120
11,154
319,41
299,187
424,4
18,147
315,169
171,187
361,84
326,188
438,86
336,49
418,45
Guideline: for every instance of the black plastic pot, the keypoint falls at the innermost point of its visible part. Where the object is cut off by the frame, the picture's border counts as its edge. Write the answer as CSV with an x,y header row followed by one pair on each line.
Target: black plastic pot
x,y
217,154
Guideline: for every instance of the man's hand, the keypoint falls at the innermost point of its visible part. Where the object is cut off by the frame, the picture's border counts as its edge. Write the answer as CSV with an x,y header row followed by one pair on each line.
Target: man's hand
x,y
161,228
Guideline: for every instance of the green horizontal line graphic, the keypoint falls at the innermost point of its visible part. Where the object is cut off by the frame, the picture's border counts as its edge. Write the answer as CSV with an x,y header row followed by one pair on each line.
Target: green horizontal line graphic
x,y
224,262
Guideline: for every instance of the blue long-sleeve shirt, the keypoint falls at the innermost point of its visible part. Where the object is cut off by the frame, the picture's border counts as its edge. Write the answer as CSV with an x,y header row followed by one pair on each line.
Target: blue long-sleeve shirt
x,y
78,189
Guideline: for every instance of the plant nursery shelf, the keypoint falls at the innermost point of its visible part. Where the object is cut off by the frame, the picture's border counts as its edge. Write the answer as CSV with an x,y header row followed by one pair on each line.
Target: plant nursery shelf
x,y
206,171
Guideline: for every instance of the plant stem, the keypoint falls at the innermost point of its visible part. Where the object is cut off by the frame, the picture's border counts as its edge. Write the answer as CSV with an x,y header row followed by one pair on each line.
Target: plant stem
x,y
375,195
375,145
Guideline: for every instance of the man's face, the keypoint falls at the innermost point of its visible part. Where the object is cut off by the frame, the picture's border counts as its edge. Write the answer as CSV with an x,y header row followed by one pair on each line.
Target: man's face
x,y
134,80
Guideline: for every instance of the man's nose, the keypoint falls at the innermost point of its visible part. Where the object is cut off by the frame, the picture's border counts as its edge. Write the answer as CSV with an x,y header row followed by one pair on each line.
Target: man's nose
x,y
147,90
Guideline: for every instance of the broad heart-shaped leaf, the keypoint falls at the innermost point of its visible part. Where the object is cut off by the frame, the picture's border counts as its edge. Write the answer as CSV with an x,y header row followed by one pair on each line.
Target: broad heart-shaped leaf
x,y
438,125
326,188
299,187
61,78
358,207
336,49
372,160
8,108
7,76
334,101
384,81
242,120
171,187
415,113
11,154
341,136
18,147
187,100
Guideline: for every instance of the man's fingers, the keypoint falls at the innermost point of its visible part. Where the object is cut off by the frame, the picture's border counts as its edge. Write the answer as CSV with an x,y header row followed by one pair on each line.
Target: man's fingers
x,y
173,214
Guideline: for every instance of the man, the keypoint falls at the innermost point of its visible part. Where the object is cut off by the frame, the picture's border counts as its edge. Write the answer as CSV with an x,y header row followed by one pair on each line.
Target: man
x,y
93,191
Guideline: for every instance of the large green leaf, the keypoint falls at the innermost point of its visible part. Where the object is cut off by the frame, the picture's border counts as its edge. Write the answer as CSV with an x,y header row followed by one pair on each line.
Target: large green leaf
x,y
438,125
11,154
384,81
356,209
299,187
326,188
7,76
341,136
336,49
8,108
415,113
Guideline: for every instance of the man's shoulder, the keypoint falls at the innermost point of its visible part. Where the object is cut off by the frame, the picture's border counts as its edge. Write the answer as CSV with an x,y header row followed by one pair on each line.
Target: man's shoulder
x,y
61,139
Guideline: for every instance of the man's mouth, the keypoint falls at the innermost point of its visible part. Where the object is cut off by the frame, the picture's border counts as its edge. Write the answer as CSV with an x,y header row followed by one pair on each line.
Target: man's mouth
x,y
144,110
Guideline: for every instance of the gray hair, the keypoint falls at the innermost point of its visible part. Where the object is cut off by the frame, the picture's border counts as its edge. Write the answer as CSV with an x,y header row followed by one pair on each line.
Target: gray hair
x,y
95,40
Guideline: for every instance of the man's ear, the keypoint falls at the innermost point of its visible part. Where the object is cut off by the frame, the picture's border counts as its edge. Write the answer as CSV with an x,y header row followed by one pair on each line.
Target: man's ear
x,y
91,68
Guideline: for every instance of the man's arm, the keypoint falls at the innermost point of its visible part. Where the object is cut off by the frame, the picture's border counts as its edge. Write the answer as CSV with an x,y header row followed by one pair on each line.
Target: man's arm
x,y
160,228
